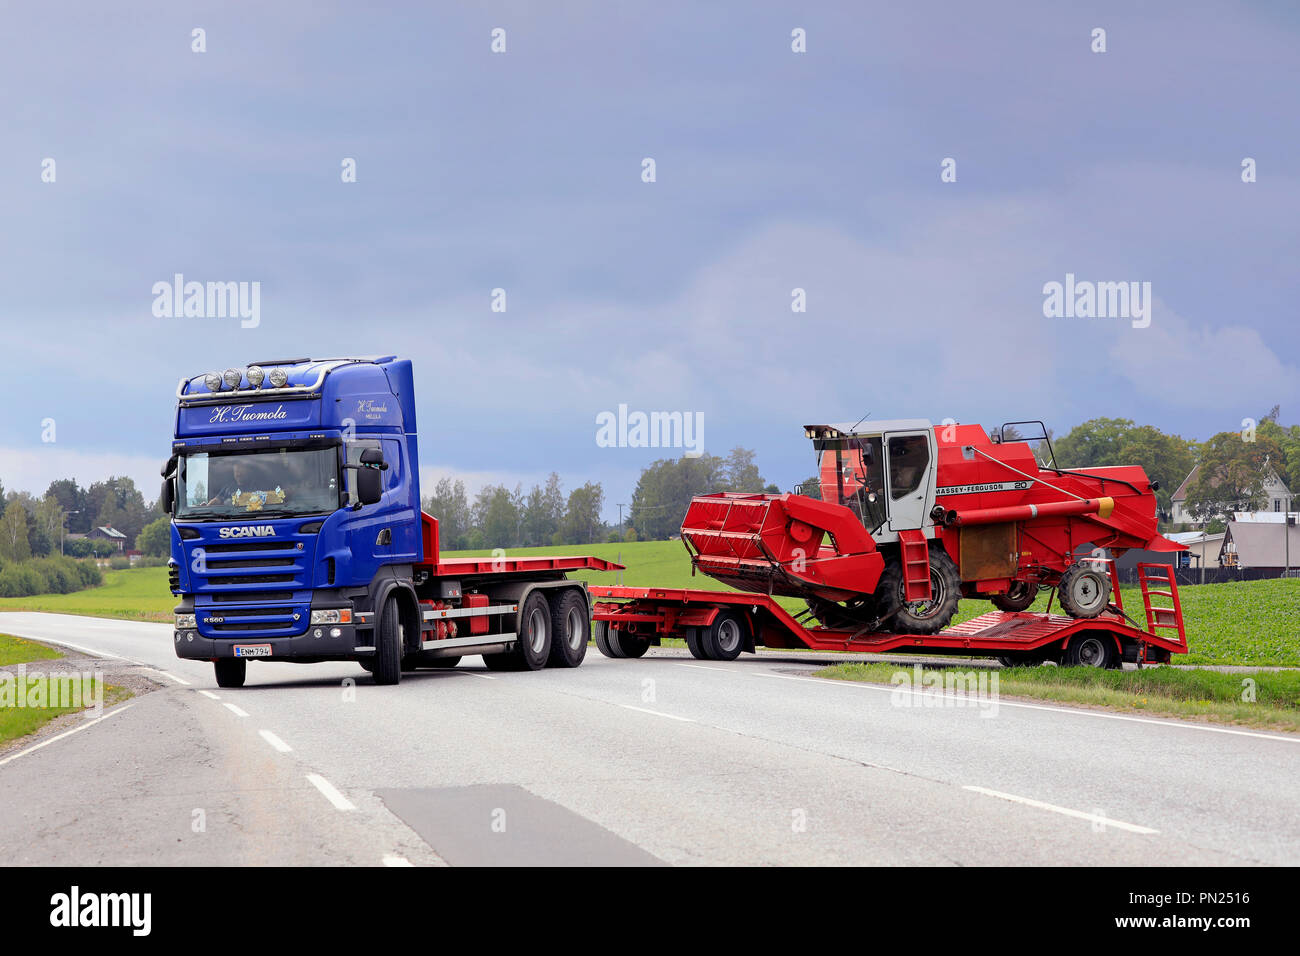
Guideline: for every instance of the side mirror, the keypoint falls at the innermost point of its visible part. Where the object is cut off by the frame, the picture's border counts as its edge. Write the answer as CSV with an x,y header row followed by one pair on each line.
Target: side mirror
x,y
370,482
167,497
168,466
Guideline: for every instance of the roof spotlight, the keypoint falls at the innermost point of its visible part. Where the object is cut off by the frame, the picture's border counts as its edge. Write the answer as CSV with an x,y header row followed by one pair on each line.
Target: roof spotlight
x,y
233,377
279,377
213,381
255,376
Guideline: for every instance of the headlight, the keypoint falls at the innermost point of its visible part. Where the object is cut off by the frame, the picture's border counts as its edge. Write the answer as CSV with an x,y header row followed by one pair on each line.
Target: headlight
x,y
185,622
255,376
332,616
213,381
279,377
233,377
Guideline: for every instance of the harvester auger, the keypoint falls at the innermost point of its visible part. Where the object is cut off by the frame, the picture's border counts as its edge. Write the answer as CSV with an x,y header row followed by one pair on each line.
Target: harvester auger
x,y
913,517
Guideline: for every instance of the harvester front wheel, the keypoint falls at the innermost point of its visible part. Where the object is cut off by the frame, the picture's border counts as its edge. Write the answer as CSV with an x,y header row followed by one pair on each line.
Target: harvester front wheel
x,y
1018,597
923,617
1084,591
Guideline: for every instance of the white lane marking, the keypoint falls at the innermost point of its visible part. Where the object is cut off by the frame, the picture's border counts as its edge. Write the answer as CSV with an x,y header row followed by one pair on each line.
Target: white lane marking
x,y
1077,814
179,680
333,796
208,693
235,710
474,674
275,741
66,733
87,650
393,860
1184,725
705,667
658,713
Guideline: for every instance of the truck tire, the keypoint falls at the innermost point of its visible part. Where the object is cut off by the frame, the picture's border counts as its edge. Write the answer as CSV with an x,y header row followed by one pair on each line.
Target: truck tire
x,y
922,617
533,643
600,632
1084,591
570,628
231,671
628,645
1018,597
695,644
388,644
724,639
1092,649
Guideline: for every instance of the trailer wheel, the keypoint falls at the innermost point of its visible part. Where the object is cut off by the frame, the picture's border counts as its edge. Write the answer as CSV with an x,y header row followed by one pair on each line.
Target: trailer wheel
x,y
533,644
1092,650
1084,591
628,645
388,652
923,617
695,644
725,637
1018,597
600,632
231,671
570,629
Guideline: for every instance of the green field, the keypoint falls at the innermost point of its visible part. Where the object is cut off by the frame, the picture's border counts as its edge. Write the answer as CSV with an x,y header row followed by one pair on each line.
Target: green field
x,y
1246,622
16,650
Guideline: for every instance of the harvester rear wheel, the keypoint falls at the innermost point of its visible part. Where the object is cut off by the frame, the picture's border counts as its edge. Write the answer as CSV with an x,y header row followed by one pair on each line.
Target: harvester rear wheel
x,y
1018,597
1084,591
922,617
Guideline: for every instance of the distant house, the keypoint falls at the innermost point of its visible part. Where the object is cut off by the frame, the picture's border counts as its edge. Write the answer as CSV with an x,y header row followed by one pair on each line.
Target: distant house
x,y
1261,545
1276,494
108,534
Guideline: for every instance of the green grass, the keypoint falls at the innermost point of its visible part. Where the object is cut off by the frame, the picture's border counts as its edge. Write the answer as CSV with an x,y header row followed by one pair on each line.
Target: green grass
x,y
15,650
1159,691
18,722
1255,623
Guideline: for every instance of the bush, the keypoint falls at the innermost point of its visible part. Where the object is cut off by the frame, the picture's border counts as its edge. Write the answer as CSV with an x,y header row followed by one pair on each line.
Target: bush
x,y
19,580
48,576
88,571
149,562
119,564
60,577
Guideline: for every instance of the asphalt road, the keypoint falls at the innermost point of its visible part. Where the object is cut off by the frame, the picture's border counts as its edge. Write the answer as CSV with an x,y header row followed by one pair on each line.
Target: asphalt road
x,y
659,760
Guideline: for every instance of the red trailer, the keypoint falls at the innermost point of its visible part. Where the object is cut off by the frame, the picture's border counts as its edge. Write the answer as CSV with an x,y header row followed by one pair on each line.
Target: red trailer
x,y
718,625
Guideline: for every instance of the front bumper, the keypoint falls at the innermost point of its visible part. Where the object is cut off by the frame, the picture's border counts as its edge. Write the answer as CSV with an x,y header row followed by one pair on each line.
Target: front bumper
x,y
349,644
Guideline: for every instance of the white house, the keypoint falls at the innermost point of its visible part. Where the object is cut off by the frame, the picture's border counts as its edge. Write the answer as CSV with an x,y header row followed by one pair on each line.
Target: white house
x,y
1276,494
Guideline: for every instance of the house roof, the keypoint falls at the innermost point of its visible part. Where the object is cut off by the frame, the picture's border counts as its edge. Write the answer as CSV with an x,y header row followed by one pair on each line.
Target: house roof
x,y
1181,493
111,532
1262,545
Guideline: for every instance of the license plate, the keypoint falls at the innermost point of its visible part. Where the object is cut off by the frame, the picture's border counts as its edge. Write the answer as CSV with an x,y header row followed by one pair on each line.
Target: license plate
x,y
252,650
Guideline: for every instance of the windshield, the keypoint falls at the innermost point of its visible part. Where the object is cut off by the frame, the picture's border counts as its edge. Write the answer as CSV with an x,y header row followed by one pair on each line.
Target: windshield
x,y
850,474
273,482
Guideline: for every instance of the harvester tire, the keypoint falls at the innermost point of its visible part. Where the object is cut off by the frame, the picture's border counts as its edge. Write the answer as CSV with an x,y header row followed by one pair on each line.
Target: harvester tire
x,y
724,639
1018,597
695,644
922,617
1084,591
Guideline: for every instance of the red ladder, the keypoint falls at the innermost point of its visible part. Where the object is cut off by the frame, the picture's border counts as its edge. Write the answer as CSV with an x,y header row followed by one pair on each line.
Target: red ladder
x,y
916,565
1159,616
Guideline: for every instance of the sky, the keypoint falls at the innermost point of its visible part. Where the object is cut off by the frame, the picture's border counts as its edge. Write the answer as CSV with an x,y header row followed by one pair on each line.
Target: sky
x,y
523,171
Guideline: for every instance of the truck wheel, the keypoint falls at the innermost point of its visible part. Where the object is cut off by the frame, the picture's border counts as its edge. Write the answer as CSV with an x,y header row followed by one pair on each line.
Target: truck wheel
x,y
628,645
695,643
231,671
570,629
367,665
1018,597
600,632
1084,591
533,641
388,652
923,617
1092,650
725,637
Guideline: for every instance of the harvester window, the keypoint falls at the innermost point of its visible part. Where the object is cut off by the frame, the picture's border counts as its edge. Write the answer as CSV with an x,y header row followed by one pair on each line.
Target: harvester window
x,y
909,456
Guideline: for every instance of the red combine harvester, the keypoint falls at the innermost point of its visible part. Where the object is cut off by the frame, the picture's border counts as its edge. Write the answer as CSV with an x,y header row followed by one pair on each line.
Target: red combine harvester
x,y
912,518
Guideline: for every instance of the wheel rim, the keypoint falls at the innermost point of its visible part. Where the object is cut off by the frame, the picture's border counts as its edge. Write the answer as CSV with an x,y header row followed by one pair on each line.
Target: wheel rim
x,y
573,625
1092,653
1087,593
536,630
728,636
924,609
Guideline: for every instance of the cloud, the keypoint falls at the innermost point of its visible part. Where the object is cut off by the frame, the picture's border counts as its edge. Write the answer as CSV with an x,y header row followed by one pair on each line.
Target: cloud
x,y
32,469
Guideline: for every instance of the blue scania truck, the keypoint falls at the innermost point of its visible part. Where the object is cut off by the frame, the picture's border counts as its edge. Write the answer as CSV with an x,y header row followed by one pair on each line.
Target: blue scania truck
x,y
293,487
